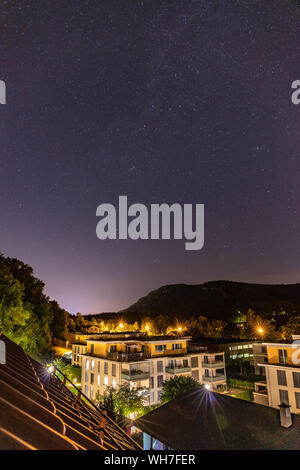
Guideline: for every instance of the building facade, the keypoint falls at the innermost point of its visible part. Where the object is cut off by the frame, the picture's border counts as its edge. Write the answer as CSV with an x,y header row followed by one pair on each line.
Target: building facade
x,y
281,363
145,362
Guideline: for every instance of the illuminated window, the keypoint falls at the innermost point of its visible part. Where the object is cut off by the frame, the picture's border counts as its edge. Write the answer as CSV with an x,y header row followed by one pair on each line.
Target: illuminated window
x,y
105,380
114,383
177,346
160,347
92,392
92,364
87,365
98,381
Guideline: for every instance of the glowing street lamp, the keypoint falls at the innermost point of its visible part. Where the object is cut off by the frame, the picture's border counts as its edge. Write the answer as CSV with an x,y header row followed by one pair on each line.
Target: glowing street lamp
x,y
147,327
179,329
207,386
121,325
260,331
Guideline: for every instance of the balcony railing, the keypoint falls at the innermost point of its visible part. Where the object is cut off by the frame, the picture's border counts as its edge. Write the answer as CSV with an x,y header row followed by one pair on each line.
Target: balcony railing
x,y
132,375
177,369
213,364
127,357
213,378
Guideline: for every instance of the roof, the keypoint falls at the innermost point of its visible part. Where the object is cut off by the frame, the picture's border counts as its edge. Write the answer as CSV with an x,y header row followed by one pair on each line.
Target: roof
x,y
221,341
204,420
37,411
141,339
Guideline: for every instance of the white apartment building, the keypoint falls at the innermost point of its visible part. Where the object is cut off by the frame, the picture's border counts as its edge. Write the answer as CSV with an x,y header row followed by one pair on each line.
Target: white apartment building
x,y
145,362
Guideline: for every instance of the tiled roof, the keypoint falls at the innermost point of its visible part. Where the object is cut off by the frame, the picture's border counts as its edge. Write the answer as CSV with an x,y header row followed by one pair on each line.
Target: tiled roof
x,y
204,420
37,411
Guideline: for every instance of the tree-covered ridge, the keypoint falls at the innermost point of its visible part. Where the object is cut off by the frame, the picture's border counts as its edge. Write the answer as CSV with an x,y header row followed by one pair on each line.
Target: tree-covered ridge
x,y
27,315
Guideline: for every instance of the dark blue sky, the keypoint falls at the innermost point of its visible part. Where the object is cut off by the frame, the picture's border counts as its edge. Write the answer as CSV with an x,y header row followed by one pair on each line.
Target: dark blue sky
x,y
182,101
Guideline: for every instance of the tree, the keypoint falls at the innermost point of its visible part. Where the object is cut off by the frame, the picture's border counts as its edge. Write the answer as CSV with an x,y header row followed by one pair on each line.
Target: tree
x,y
60,321
123,401
177,385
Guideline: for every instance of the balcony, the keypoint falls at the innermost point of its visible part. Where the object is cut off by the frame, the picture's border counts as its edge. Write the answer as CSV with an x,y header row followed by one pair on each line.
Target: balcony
x,y
213,378
127,357
177,369
132,375
213,364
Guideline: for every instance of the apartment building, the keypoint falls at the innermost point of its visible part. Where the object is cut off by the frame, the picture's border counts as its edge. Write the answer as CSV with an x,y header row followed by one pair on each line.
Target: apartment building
x,y
145,362
281,364
79,343
238,352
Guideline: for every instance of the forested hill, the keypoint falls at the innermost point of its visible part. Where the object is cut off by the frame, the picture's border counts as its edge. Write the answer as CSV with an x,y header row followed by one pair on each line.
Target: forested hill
x,y
216,300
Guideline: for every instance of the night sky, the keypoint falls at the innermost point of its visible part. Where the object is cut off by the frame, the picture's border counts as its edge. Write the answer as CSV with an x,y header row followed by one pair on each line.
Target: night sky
x,y
162,101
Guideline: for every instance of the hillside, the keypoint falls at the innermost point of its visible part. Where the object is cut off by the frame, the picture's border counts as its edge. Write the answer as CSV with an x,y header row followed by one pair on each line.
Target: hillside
x,y
217,299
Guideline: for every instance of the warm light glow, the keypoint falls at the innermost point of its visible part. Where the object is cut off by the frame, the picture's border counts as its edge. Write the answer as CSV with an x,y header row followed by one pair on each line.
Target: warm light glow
x,y
147,327
207,386
179,329
121,325
260,331
50,369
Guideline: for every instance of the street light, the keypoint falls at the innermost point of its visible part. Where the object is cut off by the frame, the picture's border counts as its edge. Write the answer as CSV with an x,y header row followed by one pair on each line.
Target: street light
x,y
207,386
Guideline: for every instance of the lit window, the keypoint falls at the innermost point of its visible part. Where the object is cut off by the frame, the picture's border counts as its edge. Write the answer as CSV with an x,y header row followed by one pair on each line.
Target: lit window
x,y
87,366
92,364
98,380
105,380
114,383
92,392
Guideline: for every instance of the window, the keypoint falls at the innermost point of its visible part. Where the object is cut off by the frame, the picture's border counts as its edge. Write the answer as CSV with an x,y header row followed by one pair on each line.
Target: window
x,y
113,348
151,382
92,349
92,379
195,374
92,364
86,390
105,380
284,397
159,380
160,347
176,346
281,377
264,349
282,355
296,379
245,346
87,364
86,377
151,397
114,383
98,381
297,398
113,370
159,366
106,368
185,363
240,346
92,392
159,394
194,361
99,367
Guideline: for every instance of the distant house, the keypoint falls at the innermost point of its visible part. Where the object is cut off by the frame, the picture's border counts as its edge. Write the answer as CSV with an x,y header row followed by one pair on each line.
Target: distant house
x,y
205,420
